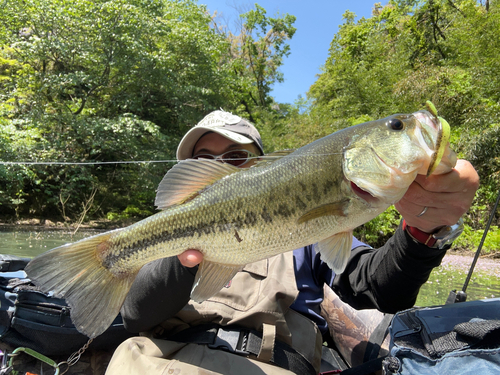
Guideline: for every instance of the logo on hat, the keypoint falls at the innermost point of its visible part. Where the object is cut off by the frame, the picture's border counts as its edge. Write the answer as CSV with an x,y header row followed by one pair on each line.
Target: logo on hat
x,y
219,118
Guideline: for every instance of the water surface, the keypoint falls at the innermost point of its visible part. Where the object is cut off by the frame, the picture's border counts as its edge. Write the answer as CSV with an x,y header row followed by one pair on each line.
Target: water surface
x,y
451,275
31,242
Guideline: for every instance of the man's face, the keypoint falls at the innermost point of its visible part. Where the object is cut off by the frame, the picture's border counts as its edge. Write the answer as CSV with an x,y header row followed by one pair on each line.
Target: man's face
x,y
216,144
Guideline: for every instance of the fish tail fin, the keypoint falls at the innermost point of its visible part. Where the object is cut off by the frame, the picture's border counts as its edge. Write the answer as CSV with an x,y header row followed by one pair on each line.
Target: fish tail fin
x,y
75,272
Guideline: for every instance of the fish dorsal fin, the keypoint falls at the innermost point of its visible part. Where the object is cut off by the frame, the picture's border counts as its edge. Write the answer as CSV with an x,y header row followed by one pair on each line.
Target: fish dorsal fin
x,y
210,278
187,178
335,250
272,157
335,208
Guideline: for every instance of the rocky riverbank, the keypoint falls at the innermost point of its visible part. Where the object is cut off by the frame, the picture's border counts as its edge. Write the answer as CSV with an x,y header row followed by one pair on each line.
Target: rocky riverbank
x,y
47,224
463,263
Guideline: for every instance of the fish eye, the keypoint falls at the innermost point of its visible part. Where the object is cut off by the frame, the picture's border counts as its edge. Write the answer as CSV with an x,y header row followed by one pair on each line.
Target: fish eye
x,y
395,124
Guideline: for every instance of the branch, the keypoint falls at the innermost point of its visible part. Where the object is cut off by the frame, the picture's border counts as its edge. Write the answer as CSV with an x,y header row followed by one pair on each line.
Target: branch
x,y
86,207
84,100
455,7
250,117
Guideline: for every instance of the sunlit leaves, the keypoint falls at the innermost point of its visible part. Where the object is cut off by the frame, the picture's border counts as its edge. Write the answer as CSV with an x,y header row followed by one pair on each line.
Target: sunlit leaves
x,y
256,54
101,81
409,52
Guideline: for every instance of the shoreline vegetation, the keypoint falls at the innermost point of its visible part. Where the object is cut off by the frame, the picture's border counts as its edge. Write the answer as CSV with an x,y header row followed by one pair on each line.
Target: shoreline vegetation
x,y
49,224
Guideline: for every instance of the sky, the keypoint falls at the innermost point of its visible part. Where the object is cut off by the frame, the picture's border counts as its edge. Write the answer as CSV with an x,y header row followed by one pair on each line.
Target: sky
x,y
317,22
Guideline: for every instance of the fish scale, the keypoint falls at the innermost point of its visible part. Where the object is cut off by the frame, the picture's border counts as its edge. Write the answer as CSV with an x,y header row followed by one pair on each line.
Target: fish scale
x,y
220,229
316,194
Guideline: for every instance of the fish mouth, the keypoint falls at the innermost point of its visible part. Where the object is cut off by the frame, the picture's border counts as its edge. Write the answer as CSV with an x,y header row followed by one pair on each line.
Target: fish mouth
x,y
388,191
363,194
442,158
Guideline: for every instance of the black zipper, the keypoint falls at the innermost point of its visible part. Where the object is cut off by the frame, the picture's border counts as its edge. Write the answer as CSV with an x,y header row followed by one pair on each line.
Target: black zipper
x,y
412,322
56,311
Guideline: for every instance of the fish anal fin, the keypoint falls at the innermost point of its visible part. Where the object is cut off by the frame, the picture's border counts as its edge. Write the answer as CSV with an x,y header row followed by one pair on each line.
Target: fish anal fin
x,y
335,250
75,273
187,178
329,209
211,278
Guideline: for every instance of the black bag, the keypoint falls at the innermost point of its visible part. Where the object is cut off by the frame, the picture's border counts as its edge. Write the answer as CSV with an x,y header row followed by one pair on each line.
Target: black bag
x,y
32,319
460,338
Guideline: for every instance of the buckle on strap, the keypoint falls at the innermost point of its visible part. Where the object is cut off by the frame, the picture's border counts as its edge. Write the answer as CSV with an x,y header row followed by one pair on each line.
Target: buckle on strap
x,y
233,341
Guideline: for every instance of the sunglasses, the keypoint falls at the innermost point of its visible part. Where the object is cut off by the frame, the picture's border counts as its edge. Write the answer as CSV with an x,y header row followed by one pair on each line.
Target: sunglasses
x,y
233,157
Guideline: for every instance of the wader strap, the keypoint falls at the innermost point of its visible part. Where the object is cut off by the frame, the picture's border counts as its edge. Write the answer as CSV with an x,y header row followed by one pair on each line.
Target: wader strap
x,y
371,362
268,340
242,341
377,338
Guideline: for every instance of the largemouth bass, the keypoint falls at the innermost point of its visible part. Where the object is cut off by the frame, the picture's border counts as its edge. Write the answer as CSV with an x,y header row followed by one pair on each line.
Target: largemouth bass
x,y
316,194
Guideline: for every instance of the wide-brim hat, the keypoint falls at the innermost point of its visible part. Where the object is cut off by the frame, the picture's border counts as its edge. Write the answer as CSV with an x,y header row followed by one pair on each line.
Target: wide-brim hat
x,y
224,123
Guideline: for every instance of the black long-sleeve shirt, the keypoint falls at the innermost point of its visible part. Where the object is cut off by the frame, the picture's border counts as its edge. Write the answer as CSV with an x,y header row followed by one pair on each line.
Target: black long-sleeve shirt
x,y
387,278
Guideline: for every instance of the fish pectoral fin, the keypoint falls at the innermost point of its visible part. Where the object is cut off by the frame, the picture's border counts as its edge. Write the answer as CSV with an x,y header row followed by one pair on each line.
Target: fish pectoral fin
x,y
335,250
210,278
187,178
336,209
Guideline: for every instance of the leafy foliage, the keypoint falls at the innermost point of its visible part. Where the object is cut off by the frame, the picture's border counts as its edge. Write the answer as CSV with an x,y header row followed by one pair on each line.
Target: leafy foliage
x,y
99,81
255,56
377,231
119,80
412,51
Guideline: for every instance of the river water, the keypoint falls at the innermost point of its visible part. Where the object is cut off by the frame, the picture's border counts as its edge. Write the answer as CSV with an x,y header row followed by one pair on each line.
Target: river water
x,y
451,275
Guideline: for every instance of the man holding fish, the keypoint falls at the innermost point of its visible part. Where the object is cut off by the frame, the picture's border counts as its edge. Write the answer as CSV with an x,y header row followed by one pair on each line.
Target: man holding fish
x,y
266,318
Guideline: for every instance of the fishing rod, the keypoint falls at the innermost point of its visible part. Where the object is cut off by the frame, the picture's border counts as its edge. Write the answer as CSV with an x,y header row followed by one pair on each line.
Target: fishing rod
x,y
461,295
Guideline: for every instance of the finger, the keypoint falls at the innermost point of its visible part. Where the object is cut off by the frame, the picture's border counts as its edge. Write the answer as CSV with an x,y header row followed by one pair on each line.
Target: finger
x,y
418,197
462,179
432,219
427,222
442,208
408,208
455,188
447,197
190,258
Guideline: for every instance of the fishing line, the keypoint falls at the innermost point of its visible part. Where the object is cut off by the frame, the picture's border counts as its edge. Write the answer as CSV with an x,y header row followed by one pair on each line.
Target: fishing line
x,y
83,163
264,157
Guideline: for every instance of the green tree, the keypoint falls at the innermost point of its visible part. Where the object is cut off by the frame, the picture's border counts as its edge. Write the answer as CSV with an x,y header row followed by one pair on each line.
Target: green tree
x,y
255,56
110,57
119,80
411,51
100,81
361,69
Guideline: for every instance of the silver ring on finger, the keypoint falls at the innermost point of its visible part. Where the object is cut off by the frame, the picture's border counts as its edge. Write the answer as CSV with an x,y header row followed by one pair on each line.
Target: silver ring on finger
x,y
423,211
